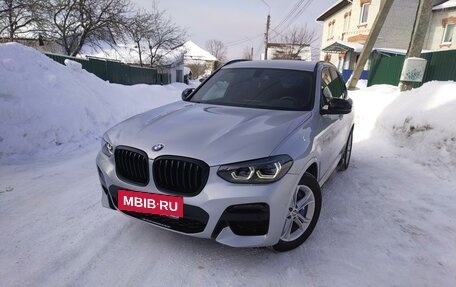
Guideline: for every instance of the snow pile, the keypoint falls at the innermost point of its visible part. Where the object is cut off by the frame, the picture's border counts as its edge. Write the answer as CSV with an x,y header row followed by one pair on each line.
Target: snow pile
x,y
421,121
44,104
446,5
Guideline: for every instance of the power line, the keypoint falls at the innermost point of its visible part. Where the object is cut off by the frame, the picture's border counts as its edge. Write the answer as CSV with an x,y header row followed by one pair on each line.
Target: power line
x,y
296,11
269,7
290,13
243,40
308,3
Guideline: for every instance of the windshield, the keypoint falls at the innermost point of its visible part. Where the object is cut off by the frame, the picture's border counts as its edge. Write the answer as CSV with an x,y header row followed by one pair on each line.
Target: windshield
x,y
276,89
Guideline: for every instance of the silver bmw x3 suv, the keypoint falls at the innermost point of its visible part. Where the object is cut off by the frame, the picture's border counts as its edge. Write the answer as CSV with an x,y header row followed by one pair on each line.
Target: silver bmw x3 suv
x,y
240,159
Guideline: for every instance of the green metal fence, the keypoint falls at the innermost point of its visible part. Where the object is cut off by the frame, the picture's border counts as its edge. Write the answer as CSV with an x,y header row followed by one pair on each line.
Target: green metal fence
x,y
115,71
441,66
385,70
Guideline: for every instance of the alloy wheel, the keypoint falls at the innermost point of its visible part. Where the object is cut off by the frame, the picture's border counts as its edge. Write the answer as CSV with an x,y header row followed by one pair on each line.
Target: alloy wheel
x,y
300,213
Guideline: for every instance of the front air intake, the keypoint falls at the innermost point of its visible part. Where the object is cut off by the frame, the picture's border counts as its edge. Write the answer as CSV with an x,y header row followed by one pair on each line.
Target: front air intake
x,y
132,165
180,175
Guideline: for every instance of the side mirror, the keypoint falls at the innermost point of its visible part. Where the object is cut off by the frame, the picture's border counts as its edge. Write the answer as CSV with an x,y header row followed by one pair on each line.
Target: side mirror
x,y
337,106
187,93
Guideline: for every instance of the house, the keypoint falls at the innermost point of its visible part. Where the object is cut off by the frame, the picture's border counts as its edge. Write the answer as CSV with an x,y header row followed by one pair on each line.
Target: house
x,y
196,57
289,51
186,58
174,63
442,29
347,24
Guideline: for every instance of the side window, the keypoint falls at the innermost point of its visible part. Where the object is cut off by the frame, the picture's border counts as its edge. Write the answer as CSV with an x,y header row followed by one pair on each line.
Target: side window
x,y
325,86
337,85
216,91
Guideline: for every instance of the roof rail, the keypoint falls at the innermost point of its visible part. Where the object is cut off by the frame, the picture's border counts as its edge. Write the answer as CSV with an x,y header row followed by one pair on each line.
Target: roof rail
x,y
234,61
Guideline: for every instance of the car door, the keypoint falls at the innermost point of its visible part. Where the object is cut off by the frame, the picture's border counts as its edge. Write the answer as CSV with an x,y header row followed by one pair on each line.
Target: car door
x,y
339,90
330,125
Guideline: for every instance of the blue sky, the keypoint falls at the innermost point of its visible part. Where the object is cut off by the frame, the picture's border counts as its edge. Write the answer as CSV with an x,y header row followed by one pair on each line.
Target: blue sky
x,y
239,24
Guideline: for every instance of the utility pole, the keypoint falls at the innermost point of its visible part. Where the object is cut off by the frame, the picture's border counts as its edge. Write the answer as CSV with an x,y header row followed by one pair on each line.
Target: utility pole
x,y
370,42
251,53
423,16
266,37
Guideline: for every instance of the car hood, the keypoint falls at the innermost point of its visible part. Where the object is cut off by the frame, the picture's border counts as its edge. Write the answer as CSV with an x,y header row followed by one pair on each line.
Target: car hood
x,y
212,133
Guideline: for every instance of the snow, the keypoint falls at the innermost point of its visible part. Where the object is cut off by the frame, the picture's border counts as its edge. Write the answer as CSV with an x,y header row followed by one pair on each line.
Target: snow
x,y
126,53
389,220
446,5
195,52
44,104
357,47
420,122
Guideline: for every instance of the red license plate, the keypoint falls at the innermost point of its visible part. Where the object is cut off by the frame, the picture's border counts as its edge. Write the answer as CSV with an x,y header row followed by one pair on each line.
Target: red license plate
x,y
150,203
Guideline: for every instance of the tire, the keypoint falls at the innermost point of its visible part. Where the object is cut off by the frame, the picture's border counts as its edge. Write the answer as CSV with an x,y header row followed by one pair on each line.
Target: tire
x,y
293,235
345,160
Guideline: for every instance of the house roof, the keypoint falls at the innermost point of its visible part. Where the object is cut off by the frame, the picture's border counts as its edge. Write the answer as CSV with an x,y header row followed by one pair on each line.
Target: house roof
x,y
395,51
126,53
341,46
195,52
446,5
333,9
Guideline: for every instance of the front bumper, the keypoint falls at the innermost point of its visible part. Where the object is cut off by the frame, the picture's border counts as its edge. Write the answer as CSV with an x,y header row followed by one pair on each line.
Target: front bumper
x,y
229,213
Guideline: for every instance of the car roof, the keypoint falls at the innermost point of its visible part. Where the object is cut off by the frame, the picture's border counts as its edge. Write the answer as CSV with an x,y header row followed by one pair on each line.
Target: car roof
x,y
275,64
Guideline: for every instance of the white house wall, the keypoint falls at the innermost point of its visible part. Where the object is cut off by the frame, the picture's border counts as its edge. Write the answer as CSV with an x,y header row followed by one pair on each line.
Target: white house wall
x,y
354,28
396,31
437,28
326,40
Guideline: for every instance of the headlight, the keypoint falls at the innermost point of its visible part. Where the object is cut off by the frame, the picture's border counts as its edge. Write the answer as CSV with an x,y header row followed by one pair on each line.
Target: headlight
x,y
106,147
263,170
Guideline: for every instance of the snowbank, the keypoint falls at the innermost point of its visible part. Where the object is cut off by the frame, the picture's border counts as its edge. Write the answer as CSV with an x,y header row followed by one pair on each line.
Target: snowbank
x,y
422,121
44,104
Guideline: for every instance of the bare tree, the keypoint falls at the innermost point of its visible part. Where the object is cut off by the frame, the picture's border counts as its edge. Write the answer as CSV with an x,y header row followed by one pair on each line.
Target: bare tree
x,y
73,23
163,37
139,28
217,49
17,16
294,42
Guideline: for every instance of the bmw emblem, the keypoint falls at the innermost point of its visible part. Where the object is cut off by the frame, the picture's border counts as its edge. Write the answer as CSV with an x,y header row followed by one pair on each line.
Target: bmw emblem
x,y
157,147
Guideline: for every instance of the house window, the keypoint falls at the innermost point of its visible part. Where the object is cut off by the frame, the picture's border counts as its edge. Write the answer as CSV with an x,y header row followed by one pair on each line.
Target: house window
x,y
448,34
364,13
331,29
347,20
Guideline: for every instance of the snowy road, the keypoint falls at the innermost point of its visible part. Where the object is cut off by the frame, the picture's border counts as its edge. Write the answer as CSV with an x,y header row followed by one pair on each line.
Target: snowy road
x,y
386,221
